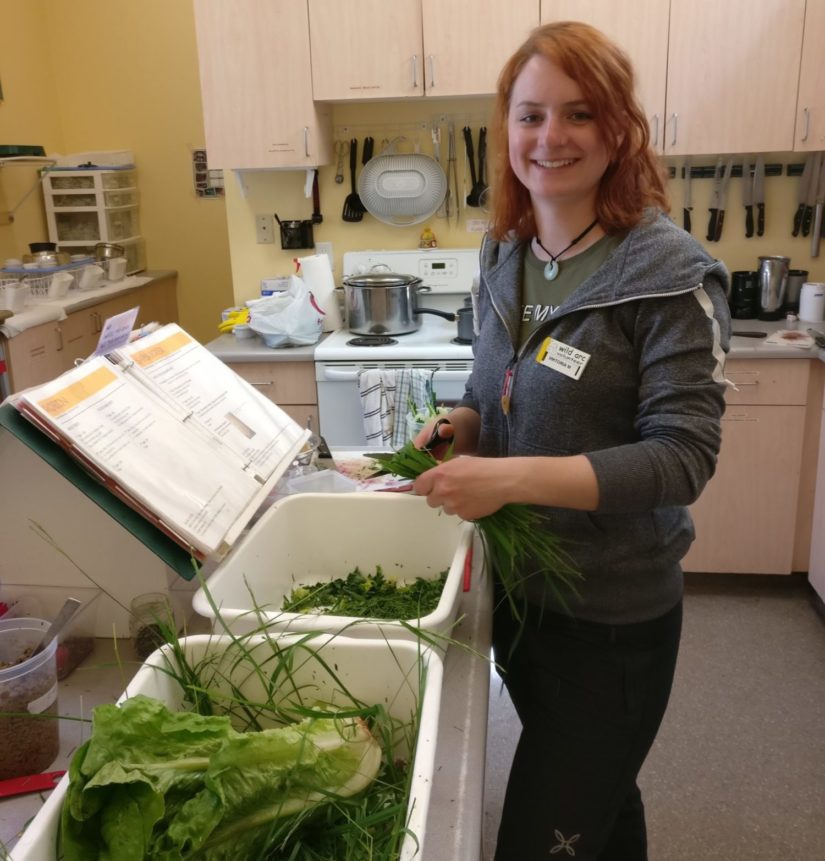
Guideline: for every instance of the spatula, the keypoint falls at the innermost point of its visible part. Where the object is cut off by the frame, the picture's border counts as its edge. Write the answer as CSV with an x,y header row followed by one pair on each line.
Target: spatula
x,y
353,208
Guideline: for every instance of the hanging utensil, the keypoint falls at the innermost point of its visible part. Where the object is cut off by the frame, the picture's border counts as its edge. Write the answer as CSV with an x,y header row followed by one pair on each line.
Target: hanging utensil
x,y
475,192
723,198
747,196
436,136
714,199
802,194
353,209
759,194
317,218
810,201
341,149
482,165
816,233
454,170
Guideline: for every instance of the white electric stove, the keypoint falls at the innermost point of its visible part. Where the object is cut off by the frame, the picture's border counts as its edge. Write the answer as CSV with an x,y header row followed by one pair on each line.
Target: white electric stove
x,y
447,276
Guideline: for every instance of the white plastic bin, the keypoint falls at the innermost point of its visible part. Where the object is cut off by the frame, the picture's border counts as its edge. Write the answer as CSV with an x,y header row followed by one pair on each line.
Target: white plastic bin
x,y
316,537
396,674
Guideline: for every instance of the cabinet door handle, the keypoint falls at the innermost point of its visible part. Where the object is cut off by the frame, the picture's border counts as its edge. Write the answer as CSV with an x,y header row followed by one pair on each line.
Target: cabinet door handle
x,y
414,63
807,114
59,332
675,118
431,61
656,132
306,141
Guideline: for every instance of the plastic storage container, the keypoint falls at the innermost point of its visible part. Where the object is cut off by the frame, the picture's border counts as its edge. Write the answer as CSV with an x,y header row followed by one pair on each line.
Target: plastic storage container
x,y
76,640
86,206
316,537
27,687
334,670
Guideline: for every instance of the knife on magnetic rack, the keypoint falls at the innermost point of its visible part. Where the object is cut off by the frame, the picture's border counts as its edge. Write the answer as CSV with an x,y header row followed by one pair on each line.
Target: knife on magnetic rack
x,y
759,194
802,194
714,200
747,196
688,200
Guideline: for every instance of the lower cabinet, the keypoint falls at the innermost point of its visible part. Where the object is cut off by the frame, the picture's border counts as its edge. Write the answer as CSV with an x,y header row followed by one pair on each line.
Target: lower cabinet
x,y
816,569
43,352
756,511
291,385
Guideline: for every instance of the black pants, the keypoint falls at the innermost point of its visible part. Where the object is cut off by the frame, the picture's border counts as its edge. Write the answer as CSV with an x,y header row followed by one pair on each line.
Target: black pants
x,y
590,698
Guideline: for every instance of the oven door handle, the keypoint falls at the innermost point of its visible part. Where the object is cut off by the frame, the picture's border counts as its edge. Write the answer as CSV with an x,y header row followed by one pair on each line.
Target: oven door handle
x,y
338,375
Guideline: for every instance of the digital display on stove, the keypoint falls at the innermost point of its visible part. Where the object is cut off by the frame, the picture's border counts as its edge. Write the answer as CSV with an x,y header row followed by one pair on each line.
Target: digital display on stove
x,y
438,266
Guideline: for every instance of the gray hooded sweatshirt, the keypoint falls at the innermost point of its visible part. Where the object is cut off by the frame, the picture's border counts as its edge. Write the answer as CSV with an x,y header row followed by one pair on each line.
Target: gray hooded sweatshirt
x,y
635,381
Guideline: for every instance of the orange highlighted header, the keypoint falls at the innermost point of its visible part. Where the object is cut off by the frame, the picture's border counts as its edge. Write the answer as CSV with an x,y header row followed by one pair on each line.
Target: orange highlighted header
x,y
161,350
66,399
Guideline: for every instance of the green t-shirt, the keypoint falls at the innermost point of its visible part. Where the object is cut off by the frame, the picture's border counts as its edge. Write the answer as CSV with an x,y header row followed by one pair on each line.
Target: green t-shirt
x,y
540,297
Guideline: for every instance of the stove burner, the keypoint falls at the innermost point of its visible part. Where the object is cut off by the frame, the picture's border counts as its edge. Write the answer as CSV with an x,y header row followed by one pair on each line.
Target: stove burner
x,y
372,341
463,342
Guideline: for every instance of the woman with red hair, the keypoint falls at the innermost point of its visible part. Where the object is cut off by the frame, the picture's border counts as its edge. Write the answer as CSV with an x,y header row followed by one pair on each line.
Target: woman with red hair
x,y
596,395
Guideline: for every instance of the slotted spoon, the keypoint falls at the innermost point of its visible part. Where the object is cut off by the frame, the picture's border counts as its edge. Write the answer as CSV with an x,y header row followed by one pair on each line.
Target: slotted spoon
x,y
353,208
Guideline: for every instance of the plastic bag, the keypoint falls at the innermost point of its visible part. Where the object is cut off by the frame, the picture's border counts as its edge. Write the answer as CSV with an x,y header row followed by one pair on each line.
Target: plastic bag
x,y
288,319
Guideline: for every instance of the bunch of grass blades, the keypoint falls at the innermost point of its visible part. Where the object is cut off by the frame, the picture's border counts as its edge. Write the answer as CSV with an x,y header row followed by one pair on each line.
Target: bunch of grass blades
x,y
240,760
518,545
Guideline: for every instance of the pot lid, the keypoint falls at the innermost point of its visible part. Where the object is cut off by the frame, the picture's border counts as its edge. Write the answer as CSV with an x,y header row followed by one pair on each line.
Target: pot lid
x,y
381,276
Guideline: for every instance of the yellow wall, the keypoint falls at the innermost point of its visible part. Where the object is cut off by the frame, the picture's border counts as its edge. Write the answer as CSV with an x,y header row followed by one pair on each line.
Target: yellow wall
x,y
115,75
91,75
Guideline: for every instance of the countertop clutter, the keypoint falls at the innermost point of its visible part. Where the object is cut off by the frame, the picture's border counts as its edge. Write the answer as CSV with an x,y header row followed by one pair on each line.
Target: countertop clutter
x,y
453,828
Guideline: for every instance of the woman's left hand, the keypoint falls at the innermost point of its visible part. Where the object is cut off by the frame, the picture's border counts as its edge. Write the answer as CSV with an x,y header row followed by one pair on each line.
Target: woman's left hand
x,y
470,487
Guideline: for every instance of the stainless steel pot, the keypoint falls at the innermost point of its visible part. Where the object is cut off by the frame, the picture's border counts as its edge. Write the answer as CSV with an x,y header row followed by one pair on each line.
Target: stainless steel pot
x,y
381,302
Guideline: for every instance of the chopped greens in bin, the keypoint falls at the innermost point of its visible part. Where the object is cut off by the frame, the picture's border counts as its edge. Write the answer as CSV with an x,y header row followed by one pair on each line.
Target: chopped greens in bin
x,y
368,596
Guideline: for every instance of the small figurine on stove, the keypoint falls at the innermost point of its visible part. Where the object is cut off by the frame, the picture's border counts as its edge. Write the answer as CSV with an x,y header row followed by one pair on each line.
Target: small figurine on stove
x,y
427,239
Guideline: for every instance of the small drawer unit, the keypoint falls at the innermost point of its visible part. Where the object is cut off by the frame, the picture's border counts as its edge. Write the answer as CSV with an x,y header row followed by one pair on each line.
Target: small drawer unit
x,y
86,206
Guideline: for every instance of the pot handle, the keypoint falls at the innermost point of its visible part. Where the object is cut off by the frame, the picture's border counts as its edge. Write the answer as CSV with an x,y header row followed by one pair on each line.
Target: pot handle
x,y
447,315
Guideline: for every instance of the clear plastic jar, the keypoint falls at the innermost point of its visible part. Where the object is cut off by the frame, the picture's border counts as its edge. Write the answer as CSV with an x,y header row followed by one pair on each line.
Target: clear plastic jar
x,y
152,622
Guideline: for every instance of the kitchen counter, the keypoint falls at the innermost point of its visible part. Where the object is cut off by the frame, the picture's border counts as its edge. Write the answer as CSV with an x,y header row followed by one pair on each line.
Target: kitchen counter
x,y
454,823
75,300
230,349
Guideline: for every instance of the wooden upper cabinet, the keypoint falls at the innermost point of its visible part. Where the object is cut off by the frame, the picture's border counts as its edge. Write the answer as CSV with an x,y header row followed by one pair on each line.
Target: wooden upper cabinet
x,y
810,108
374,49
732,75
366,49
256,85
466,42
640,27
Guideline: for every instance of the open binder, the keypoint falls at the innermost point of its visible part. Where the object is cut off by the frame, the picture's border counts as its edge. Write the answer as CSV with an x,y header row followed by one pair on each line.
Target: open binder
x,y
174,433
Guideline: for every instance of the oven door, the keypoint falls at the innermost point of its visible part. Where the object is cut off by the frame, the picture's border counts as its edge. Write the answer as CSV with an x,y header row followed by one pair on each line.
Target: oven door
x,y
339,399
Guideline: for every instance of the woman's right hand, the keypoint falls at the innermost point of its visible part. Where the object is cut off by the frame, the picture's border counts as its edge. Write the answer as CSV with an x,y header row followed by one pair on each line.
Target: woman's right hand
x,y
461,427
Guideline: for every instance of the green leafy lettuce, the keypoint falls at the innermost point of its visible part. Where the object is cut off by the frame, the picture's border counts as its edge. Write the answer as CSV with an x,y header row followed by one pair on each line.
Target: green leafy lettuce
x,y
156,784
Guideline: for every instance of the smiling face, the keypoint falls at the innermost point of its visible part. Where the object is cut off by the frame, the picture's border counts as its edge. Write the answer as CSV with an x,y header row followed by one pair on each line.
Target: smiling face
x,y
556,149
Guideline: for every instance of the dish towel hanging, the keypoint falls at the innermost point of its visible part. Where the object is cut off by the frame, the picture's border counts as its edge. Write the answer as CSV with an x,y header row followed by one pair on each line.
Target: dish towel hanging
x,y
377,389
411,385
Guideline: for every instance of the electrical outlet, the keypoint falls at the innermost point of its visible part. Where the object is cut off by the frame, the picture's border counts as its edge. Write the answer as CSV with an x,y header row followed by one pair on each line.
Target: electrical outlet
x,y
264,229
325,248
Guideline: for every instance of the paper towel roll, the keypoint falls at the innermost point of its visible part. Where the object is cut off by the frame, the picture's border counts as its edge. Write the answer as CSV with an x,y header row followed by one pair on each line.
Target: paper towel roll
x,y
317,275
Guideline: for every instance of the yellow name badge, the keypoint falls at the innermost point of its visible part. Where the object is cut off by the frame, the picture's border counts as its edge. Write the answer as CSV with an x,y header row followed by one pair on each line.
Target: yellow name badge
x,y
563,358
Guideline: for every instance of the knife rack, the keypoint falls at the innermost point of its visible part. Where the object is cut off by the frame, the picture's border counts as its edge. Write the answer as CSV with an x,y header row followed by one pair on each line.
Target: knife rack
x,y
709,171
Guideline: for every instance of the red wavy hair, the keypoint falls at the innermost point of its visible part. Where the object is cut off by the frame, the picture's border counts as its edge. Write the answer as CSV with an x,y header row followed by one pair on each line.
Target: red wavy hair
x,y
634,179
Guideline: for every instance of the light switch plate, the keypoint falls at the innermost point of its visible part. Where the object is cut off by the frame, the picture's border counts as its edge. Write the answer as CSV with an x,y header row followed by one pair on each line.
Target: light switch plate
x,y
264,229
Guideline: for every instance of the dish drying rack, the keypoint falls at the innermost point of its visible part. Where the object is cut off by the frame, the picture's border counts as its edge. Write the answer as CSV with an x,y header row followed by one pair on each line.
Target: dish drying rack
x,y
39,280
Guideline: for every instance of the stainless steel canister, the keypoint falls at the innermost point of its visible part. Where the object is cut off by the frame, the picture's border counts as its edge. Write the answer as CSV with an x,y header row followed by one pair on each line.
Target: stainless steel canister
x,y
773,281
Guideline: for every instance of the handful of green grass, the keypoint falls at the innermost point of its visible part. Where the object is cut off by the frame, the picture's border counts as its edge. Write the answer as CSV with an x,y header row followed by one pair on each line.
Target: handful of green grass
x,y
517,544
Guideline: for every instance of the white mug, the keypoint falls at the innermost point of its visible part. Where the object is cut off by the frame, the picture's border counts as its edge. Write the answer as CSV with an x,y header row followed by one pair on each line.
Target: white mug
x,y
116,269
812,302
